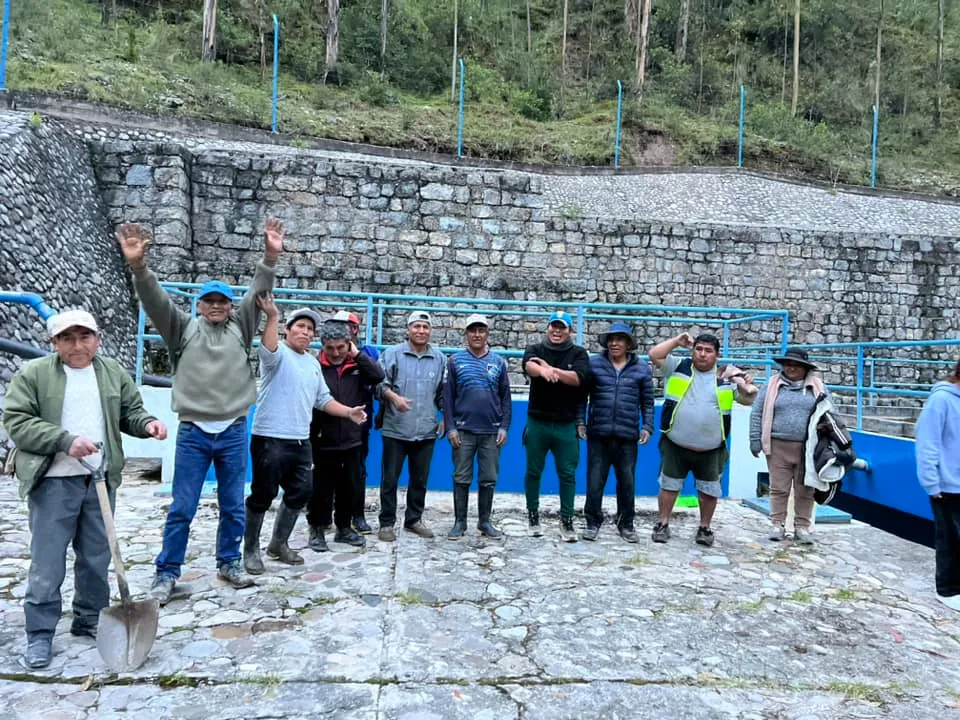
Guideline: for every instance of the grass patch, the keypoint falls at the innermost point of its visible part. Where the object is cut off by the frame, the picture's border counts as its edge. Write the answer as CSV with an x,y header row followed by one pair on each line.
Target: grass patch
x,y
178,679
800,596
845,594
638,559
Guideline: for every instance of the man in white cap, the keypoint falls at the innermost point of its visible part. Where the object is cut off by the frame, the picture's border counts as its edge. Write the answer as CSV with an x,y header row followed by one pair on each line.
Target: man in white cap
x,y
476,409
213,390
69,405
411,396
291,386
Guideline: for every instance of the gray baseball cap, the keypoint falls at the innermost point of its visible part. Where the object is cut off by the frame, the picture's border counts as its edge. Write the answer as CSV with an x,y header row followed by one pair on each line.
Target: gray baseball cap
x,y
303,313
476,319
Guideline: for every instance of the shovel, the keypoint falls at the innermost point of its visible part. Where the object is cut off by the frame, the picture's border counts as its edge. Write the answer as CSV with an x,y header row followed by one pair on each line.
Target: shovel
x,y
126,631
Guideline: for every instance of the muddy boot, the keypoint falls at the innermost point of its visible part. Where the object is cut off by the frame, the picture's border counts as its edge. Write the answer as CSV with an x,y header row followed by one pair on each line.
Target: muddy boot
x,y
485,509
251,543
282,528
461,498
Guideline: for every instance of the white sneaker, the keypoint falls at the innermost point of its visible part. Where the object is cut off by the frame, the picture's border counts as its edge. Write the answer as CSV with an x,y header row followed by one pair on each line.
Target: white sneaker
x,y
803,537
952,602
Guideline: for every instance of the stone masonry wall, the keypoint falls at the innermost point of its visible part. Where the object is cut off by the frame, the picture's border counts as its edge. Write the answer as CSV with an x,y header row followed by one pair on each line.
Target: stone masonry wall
x,y
55,240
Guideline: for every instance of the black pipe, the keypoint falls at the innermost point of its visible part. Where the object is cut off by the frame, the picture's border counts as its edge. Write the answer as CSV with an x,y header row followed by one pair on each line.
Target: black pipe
x,y
28,352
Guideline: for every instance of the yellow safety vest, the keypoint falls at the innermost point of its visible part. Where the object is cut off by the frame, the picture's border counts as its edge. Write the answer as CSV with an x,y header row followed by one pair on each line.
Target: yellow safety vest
x,y
676,387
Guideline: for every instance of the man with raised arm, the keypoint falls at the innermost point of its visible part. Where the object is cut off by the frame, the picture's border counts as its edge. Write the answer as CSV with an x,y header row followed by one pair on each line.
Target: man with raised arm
x,y
69,405
695,426
213,389
291,386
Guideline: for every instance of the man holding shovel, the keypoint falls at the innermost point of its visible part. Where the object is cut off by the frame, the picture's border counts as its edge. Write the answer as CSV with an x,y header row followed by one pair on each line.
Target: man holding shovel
x,y
59,409
213,389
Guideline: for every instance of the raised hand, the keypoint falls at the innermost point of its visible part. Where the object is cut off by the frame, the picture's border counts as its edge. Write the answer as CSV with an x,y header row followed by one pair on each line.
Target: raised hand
x,y
266,303
685,340
273,238
133,244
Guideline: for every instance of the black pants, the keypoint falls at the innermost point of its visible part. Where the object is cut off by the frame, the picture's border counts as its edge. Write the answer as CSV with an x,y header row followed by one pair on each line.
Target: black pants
x,y
419,453
336,475
364,451
602,453
279,464
946,528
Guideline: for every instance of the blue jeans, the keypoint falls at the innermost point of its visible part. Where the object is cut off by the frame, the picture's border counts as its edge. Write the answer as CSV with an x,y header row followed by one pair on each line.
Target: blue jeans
x,y
195,451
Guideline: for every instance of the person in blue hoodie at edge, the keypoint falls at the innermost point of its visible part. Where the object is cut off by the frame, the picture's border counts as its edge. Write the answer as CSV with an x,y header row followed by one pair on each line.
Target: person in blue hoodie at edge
x,y
938,467
621,398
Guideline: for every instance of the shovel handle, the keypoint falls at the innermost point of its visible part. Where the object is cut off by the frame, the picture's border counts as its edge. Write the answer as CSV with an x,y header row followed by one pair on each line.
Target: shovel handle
x,y
100,481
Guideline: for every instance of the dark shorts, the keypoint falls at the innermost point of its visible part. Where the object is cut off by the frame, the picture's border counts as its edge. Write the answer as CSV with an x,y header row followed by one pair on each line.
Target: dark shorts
x,y
706,465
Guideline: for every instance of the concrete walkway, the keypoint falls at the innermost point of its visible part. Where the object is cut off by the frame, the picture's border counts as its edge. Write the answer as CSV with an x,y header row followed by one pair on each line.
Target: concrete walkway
x,y
520,628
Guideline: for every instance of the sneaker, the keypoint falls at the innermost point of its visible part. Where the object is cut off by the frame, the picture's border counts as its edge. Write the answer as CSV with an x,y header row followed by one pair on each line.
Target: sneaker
x,y
778,534
348,536
162,589
951,601
661,533
419,528
567,531
387,534
803,537
590,532
533,517
233,574
704,536
317,542
628,534
39,652
361,526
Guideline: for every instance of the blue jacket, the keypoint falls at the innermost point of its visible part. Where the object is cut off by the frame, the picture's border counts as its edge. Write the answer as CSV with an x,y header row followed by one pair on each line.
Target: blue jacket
x,y
476,394
618,400
938,440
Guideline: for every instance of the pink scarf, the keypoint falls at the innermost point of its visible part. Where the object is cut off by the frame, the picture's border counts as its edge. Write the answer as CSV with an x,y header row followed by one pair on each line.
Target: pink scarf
x,y
814,383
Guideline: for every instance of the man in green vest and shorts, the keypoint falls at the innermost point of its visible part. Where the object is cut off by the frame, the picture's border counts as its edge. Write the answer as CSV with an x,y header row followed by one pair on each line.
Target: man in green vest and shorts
x,y
695,426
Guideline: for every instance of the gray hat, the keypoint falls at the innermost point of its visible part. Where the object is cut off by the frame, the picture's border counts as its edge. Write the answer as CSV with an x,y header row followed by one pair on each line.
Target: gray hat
x,y
333,330
476,319
419,316
303,313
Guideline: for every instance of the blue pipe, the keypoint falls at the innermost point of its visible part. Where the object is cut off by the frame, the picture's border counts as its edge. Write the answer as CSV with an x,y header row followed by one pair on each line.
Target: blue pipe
x,y
36,302
463,75
616,151
743,96
276,69
141,330
367,336
873,159
3,45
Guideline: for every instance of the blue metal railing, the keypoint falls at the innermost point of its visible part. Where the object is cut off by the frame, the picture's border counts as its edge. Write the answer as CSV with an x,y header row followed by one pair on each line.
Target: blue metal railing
x,y
32,299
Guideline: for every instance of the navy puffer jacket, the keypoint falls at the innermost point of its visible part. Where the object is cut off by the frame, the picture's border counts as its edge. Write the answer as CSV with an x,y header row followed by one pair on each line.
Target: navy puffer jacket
x,y
617,401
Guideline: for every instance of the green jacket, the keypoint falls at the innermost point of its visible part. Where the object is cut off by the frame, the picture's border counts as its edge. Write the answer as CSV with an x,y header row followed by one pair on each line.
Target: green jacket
x,y
34,406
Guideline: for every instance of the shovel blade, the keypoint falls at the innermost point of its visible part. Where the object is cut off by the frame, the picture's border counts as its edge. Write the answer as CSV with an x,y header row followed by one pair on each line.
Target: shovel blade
x,y
126,633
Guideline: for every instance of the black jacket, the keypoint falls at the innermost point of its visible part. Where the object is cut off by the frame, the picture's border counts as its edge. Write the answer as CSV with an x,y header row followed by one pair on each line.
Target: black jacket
x,y
349,385
557,402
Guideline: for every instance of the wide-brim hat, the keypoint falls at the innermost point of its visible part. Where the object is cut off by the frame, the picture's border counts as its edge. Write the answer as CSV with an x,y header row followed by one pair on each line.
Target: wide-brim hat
x,y
618,328
798,356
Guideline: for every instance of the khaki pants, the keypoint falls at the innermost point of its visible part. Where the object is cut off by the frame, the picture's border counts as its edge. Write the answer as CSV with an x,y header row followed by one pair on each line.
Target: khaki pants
x,y
784,464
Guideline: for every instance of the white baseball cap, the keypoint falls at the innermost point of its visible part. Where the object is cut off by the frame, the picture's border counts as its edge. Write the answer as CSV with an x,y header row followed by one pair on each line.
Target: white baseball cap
x,y
419,316
71,318
476,319
304,313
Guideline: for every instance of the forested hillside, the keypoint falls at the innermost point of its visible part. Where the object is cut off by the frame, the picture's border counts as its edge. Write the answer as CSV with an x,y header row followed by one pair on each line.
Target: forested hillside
x,y
541,75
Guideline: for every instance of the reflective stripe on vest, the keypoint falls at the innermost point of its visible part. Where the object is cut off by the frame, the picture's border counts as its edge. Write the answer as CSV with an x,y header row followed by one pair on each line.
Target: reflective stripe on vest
x,y
676,388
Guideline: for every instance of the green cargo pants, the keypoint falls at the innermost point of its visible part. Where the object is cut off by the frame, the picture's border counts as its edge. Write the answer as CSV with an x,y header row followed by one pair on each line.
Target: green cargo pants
x,y
541,437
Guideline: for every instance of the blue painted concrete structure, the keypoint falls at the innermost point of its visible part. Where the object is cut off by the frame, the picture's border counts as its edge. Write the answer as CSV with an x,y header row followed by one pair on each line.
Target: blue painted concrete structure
x,y
892,478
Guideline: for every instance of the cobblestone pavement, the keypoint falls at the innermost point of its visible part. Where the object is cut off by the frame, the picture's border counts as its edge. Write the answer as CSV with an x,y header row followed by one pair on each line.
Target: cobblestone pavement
x,y
728,198
524,627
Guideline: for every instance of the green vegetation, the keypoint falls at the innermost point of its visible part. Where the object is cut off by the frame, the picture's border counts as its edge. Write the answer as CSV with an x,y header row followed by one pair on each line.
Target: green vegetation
x,y
529,105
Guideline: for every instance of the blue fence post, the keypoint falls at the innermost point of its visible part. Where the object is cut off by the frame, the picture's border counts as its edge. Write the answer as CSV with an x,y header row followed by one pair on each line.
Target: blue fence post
x,y
579,324
367,335
873,151
743,96
276,70
859,387
726,339
3,45
463,77
873,379
785,332
616,151
141,329
379,323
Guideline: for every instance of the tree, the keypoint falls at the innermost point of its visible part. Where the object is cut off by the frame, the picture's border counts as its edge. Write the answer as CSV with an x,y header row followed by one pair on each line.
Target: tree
x,y
333,41
641,51
563,44
682,25
453,62
209,50
938,107
796,58
876,84
384,6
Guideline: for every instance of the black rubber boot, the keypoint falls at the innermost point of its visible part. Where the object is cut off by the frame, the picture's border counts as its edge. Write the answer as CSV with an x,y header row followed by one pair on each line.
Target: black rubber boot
x,y
282,529
318,543
461,499
252,562
485,509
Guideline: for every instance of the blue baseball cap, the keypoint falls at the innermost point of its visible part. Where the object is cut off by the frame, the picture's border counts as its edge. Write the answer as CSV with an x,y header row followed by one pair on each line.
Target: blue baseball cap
x,y
561,317
216,286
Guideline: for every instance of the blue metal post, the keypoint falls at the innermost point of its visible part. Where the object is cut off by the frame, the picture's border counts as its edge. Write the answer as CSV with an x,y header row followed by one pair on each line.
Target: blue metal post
x,y
873,379
726,339
463,74
3,45
141,329
579,324
276,69
379,323
743,95
873,160
785,332
859,387
367,329
616,151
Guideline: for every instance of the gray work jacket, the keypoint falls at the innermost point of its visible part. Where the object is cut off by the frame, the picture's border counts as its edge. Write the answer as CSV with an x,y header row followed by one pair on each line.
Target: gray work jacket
x,y
419,378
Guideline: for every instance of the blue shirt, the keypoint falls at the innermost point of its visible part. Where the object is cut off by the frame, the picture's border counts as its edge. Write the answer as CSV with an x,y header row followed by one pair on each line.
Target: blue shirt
x,y
938,440
291,386
476,393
